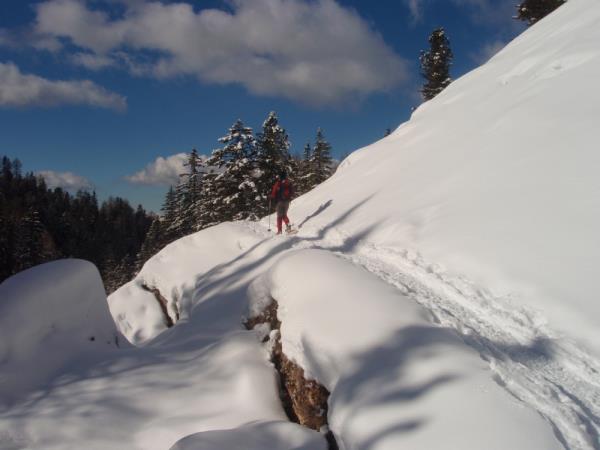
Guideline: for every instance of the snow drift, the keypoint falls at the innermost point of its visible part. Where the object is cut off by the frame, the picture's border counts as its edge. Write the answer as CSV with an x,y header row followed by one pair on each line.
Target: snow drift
x,y
50,315
396,380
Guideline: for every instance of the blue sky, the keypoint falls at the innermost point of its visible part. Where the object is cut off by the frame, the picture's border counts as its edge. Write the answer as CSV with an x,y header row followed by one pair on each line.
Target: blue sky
x,y
93,92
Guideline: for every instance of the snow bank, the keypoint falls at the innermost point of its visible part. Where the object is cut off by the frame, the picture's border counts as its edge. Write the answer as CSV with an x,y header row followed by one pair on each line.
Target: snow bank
x,y
496,179
175,272
50,315
396,380
150,398
256,436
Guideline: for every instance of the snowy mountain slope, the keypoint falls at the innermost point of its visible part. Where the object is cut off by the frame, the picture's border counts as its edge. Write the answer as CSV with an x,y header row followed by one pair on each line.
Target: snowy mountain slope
x,y
496,179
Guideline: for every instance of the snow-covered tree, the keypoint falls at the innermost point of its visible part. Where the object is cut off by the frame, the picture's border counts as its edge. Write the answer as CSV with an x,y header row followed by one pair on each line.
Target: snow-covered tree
x,y
272,158
152,244
532,11
435,64
170,210
188,194
207,214
320,162
304,170
234,188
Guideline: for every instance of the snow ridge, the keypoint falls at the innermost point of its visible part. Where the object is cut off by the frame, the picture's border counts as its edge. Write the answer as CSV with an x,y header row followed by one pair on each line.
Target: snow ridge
x,y
548,372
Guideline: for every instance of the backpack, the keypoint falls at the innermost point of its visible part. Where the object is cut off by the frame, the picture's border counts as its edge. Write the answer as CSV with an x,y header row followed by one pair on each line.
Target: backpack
x,y
284,191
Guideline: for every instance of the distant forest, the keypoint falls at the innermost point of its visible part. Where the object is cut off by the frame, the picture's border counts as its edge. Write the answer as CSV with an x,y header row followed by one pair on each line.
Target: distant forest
x,y
38,224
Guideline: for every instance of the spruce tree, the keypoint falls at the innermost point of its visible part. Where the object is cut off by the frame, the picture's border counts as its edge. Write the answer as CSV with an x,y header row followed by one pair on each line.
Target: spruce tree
x,y
234,187
304,171
170,210
532,11
272,158
189,194
320,161
29,244
152,244
435,64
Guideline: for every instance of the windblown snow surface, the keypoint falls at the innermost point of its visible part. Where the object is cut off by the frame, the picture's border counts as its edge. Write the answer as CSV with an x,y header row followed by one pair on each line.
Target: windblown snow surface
x,y
442,287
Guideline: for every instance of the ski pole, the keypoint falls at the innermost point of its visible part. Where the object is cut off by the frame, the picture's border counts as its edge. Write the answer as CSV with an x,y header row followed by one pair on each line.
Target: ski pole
x,y
269,213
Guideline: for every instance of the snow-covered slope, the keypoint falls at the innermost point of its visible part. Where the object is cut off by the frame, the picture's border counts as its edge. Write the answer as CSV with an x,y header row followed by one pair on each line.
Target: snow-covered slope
x,y
396,380
496,179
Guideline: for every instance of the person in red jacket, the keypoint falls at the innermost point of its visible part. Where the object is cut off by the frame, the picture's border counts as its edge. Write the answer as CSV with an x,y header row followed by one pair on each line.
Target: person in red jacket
x,y
282,193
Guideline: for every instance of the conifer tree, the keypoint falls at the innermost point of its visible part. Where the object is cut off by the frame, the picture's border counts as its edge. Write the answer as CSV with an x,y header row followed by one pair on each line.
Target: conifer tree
x,y
320,161
29,246
272,158
435,64
206,205
304,171
531,11
170,209
234,188
188,194
152,244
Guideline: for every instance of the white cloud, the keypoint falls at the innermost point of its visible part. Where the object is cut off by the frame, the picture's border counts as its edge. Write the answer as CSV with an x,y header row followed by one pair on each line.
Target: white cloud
x,y
495,12
20,90
65,180
313,51
161,172
416,9
92,61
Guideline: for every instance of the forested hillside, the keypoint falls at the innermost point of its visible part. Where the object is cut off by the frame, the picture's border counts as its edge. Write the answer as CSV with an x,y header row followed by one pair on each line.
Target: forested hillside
x,y
38,224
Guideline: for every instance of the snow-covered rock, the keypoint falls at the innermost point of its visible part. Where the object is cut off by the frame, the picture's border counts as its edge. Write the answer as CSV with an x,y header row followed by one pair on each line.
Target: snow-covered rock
x,y
50,315
255,436
396,380
175,272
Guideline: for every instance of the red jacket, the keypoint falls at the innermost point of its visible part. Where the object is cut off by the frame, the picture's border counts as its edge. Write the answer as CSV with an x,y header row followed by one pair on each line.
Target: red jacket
x,y
282,190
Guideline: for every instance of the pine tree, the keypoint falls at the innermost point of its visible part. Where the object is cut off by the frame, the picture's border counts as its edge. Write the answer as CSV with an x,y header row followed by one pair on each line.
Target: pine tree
x,y
29,246
272,158
152,244
206,205
234,188
320,161
170,210
435,64
188,195
531,11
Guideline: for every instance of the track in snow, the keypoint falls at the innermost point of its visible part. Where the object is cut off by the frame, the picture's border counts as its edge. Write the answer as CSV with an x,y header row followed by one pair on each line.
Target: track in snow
x,y
550,374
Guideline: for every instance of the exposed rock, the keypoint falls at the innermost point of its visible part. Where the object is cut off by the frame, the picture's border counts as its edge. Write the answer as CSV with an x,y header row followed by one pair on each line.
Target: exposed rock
x,y
164,305
304,401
